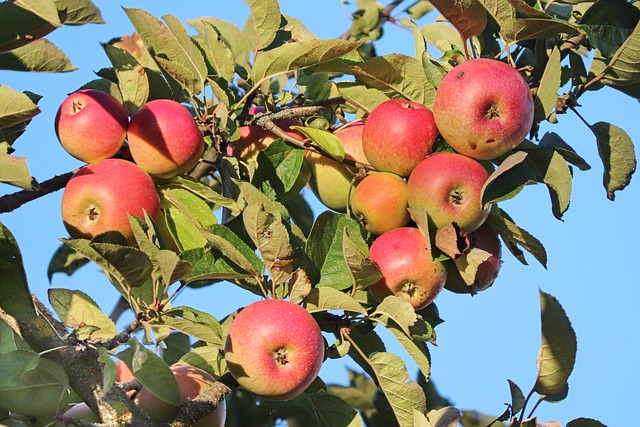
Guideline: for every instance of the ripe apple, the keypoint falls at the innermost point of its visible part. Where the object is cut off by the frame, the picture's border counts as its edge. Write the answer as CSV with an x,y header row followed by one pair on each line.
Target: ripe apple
x,y
164,139
448,186
82,412
484,238
192,382
407,267
483,108
91,125
274,349
331,181
379,202
124,375
397,135
99,196
254,139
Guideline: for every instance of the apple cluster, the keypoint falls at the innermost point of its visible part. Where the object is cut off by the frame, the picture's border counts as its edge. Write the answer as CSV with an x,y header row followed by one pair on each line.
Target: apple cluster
x,y
482,110
93,126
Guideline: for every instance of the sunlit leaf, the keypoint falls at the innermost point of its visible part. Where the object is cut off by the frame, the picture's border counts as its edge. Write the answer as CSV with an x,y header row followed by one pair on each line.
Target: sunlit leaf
x,y
608,24
265,21
618,156
325,299
45,9
77,309
208,358
80,12
132,78
469,17
361,97
15,107
14,171
221,57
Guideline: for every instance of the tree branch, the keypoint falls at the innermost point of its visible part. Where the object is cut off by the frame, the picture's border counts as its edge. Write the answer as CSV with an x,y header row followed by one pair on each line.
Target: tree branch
x,y
13,201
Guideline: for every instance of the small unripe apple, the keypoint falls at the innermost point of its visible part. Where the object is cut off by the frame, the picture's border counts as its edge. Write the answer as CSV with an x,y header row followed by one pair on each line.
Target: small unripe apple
x,y
397,135
99,196
254,139
192,382
379,202
448,186
274,349
483,108
164,139
484,238
407,267
331,181
91,125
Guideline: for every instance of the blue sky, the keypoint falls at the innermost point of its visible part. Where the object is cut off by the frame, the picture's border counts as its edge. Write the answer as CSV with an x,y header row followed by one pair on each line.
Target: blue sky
x,y
485,339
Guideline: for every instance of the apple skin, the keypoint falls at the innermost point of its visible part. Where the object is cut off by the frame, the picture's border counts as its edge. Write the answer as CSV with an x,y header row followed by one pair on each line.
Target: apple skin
x,y
192,382
331,181
407,267
124,375
487,239
82,412
483,108
164,139
448,186
379,202
397,135
99,196
91,125
254,139
274,349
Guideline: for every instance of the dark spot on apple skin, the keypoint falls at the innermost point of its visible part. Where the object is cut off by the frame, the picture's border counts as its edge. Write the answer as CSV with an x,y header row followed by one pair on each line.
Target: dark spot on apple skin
x,y
460,74
489,141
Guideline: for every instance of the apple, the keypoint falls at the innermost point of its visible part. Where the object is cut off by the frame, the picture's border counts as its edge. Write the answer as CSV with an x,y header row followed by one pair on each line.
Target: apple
x,y
254,139
407,267
379,202
192,382
82,412
164,139
91,125
483,108
99,196
397,135
331,181
484,238
124,375
448,186
274,349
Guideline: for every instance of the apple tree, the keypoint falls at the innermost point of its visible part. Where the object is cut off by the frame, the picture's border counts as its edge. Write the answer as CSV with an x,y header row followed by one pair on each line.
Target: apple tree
x,y
228,126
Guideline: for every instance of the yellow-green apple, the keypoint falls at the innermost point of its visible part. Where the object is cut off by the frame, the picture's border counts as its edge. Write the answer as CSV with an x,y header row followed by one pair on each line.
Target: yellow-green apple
x,y
486,239
379,202
483,108
164,139
397,135
192,382
91,125
448,186
274,349
331,181
253,139
82,412
99,196
407,267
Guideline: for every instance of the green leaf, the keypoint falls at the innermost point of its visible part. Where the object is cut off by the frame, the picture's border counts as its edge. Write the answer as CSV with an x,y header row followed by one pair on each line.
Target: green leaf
x,y
398,310
467,16
192,206
204,192
19,27
327,140
364,272
65,260
557,354
268,233
150,371
220,54
417,349
365,342
227,242
14,171
331,411
197,330
232,36
556,174
77,309
132,78
516,30
45,9
15,297
618,156
211,264
623,69
80,12
15,107
297,56
185,233
40,56
608,23
14,364
517,398
208,358
265,21
282,170
515,236
585,422
554,141
360,97
444,417
547,95
326,299
513,174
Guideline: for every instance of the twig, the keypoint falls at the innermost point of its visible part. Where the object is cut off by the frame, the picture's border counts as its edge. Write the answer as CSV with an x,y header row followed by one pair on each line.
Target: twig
x,y
13,201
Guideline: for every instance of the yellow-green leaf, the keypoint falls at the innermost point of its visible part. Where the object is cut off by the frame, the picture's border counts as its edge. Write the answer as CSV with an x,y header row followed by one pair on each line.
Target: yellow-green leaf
x,y
77,309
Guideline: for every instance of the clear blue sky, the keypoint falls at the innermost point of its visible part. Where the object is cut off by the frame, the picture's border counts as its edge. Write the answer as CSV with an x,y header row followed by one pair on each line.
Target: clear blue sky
x,y
485,340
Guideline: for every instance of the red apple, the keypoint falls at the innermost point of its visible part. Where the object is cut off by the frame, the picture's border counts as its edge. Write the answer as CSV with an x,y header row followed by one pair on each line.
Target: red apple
x,y
274,349
91,125
124,375
99,196
254,139
192,382
486,239
483,108
331,181
164,139
407,267
379,202
448,186
397,135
